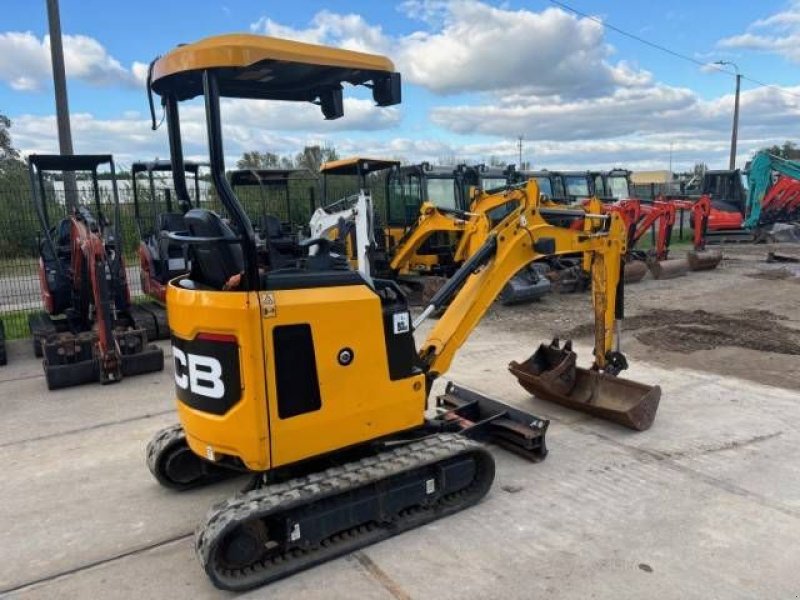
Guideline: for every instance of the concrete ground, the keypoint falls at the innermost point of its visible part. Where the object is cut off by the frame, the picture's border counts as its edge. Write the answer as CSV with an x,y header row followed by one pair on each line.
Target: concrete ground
x,y
706,504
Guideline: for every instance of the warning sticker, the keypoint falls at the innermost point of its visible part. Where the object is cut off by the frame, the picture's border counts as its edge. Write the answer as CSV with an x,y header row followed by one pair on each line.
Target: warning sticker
x,y
268,306
401,322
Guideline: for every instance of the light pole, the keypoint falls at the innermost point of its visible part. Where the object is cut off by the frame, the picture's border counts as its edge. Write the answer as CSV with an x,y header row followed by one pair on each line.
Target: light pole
x,y
62,106
519,147
735,132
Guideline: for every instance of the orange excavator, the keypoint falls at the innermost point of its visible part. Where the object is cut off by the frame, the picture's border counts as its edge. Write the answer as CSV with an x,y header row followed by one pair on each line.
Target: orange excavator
x,y
89,330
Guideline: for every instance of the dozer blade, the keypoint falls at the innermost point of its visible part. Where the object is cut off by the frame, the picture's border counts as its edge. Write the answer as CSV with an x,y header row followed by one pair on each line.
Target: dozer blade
x,y
489,420
551,374
668,269
635,270
703,260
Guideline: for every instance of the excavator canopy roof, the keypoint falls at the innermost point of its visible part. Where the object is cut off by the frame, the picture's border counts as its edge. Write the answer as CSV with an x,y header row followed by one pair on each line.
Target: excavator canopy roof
x,y
260,176
71,162
165,165
357,165
256,66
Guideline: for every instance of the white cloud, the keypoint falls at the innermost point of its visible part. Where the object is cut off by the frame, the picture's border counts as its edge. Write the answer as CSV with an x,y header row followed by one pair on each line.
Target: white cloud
x,y
25,62
476,47
656,110
547,75
777,34
279,127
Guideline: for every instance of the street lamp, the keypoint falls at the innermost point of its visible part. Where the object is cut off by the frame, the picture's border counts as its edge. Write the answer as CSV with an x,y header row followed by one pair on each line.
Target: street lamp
x,y
734,134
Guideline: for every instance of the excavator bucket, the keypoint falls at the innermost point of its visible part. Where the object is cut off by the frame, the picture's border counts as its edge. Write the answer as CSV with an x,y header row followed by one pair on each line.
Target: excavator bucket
x,y
668,269
635,270
552,374
703,260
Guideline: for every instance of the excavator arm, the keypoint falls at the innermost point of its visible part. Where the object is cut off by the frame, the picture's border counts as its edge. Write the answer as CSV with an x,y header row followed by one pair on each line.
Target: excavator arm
x,y
524,236
760,184
551,373
431,220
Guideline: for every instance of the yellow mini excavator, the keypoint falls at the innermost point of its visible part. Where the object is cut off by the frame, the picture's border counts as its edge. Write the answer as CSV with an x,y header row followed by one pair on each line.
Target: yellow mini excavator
x,y
307,377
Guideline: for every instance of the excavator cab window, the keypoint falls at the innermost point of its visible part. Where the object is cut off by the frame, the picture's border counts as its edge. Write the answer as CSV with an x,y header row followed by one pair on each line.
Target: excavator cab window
x,y
442,192
577,186
618,187
405,193
600,189
559,192
545,186
493,183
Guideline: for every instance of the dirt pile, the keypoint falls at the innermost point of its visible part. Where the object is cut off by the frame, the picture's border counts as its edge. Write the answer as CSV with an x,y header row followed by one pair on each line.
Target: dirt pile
x,y
689,331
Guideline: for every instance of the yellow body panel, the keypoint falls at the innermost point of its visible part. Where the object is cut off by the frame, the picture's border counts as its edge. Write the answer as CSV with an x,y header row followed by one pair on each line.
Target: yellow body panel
x,y
359,401
243,430
243,50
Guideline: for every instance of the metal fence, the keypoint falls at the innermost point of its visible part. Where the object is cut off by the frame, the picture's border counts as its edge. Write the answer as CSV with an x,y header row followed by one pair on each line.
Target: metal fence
x,y
21,232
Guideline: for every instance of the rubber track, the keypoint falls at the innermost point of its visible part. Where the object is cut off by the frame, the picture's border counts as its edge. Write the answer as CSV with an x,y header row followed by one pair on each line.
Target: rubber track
x,y
304,491
168,439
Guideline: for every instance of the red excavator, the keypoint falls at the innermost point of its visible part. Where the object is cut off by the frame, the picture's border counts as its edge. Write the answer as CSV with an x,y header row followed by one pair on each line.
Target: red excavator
x,y
88,330
639,218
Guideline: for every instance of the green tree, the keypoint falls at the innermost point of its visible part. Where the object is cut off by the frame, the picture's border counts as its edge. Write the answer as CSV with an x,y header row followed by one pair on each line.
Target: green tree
x,y
787,150
12,169
258,160
312,158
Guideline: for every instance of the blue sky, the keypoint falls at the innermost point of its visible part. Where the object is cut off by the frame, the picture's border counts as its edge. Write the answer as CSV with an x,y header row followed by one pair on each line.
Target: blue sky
x,y
476,75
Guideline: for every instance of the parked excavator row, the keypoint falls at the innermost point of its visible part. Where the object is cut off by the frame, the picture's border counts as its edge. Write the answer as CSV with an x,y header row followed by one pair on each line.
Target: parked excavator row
x,y
89,330
307,377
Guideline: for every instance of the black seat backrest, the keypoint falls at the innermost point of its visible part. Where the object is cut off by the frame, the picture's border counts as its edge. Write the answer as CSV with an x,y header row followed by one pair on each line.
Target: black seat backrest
x,y
214,263
271,226
170,222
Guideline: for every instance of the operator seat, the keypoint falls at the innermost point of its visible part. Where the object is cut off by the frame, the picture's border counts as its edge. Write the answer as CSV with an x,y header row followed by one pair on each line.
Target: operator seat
x,y
215,262
282,249
169,260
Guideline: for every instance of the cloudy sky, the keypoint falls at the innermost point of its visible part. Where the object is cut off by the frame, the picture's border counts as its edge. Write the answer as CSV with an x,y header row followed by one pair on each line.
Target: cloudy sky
x,y
476,76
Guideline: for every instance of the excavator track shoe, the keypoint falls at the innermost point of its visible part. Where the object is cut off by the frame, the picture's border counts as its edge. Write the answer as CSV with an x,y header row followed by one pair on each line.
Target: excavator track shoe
x,y
551,374
634,271
703,260
175,466
668,269
269,533
152,318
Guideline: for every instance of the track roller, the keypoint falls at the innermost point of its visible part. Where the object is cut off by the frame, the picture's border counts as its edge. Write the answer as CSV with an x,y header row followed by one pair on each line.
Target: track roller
x,y
175,466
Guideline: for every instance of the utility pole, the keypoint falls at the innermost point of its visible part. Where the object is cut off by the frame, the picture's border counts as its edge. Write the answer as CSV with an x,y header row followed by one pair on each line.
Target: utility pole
x,y
62,104
670,159
735,132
